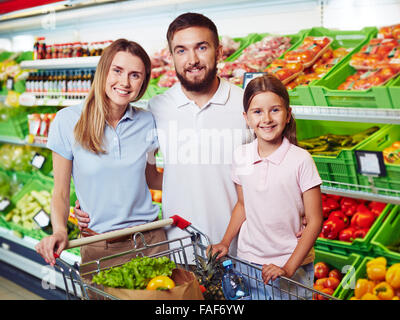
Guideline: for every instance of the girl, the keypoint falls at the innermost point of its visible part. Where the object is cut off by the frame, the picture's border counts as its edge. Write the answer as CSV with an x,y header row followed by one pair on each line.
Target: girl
x,y
277,183
104,144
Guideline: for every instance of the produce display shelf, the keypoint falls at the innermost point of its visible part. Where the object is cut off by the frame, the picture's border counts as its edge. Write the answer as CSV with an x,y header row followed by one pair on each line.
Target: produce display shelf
x,y
62,63
340,190
374,115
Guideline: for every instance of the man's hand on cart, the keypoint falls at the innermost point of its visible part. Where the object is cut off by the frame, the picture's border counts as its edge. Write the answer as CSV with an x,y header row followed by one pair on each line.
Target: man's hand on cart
x,y
271,272
81,216
51,245
219,247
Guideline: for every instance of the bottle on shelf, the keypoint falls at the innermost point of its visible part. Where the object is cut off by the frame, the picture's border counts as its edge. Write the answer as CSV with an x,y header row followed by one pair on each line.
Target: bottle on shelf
x,y
234,286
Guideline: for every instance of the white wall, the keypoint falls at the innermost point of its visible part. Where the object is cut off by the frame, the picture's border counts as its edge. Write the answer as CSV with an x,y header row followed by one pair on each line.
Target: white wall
x,y
148,25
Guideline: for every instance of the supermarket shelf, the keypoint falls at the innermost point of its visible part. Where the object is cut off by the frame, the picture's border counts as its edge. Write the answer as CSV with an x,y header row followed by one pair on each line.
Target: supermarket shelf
x,y
391,116
62,63
12,140
370,193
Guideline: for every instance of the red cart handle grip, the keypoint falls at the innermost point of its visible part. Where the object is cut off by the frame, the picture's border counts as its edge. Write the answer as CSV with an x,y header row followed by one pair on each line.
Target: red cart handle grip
x,y
180,222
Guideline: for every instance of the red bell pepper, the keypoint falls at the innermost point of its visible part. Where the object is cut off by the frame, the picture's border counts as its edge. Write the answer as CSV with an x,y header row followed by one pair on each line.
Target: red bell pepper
x,y
376,207
361,233
363,219
347,234
348,206
329,205
339,215
332,227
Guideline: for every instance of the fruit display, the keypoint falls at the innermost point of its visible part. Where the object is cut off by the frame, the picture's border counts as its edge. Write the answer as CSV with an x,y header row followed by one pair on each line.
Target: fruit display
x,y
388,32
255,58
379,281
332,144
39,126
346,219
392,154
365,79
326,279
136,274
284,70
18,158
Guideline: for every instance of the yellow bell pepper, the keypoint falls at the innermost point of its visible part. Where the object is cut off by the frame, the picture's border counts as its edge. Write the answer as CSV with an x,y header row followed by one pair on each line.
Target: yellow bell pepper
x,y
395,298
384,291
376,269
369,296
393,276
160,283
363,286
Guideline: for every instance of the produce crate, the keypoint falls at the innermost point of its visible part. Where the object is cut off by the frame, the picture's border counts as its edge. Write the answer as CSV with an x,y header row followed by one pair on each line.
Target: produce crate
x,y
16,126
388,234
390,184
361,246
361,272
301,95
325,92
244,43
394,91
342,168
345,264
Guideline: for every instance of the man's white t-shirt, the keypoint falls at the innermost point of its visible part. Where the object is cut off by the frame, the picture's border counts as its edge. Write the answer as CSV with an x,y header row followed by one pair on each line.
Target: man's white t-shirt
x,y
197,146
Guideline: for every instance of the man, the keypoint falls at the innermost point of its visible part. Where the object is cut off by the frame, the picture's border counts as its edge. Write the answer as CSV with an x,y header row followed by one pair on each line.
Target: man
x,y
199,123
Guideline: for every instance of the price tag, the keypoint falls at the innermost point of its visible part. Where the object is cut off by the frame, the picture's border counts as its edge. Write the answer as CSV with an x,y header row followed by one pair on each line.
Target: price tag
x,y
4,203
38,160
370,163
248,76
42,219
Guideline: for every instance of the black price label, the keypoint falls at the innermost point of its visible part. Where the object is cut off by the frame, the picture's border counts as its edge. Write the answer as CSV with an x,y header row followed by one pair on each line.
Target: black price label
x,y
248,76
38,161
4,203
370,163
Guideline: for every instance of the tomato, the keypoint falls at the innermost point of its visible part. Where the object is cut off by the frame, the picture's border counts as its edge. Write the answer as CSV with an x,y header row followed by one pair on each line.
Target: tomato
x,y
386,32
327,54
321,270
335,273
283,74
387,73
332,283
340,52
321,282
323,42
294,66
306,56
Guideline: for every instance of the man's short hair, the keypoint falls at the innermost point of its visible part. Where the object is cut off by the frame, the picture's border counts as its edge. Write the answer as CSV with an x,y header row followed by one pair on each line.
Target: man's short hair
x,y
188,20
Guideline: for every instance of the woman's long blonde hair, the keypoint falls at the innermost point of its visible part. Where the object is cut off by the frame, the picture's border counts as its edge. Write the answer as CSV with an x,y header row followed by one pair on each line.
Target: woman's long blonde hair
x,y
89,130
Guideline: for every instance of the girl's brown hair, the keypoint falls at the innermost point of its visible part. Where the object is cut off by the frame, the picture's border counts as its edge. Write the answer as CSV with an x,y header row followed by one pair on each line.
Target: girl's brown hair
x,y
269,83
89,130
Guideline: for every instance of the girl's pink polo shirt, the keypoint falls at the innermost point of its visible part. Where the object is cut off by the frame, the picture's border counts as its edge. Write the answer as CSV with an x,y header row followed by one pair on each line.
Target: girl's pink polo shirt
x,y
272,190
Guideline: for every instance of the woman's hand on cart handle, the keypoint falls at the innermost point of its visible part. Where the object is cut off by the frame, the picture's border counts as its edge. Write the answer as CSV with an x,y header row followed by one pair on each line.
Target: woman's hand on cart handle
x,y
52,245
81,216
180,222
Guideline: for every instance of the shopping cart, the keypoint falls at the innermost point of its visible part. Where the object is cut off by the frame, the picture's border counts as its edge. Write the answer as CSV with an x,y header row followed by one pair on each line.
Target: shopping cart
x,y
195,243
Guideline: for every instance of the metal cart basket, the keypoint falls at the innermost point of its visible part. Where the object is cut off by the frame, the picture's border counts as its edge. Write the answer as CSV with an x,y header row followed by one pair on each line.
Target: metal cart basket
x,y
194,244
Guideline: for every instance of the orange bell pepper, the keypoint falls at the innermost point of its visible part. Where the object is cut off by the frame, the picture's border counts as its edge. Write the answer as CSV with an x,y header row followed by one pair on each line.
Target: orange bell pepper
x,y
393,276
384,291
369,296
363,286
376,269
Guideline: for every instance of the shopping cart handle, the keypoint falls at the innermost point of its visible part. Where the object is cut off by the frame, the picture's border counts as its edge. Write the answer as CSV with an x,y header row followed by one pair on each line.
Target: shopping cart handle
x,y
180,222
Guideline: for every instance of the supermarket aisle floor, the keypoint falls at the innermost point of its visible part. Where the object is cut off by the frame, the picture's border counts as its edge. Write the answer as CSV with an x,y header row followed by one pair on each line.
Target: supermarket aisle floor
x,y
11,291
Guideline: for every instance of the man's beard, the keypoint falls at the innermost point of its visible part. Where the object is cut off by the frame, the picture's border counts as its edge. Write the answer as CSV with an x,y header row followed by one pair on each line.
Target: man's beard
x,y
202,85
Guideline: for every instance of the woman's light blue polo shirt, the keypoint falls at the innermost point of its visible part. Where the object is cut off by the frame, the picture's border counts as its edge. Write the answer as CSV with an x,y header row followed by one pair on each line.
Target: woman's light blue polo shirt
x,y
110,187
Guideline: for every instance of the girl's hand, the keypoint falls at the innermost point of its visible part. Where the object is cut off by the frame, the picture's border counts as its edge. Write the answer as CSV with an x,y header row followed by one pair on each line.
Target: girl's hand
x,y
219,247
81,216
55,243
271,272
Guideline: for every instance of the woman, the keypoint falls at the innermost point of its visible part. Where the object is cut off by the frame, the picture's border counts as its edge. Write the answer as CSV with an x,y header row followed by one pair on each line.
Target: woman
x,y
104,144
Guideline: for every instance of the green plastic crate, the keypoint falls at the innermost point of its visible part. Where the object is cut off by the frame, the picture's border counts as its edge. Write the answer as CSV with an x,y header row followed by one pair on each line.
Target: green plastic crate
x,y
302,95
361,272
361,246
325,92
390,184
345,264
388,234
342,168
16,126
394,91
